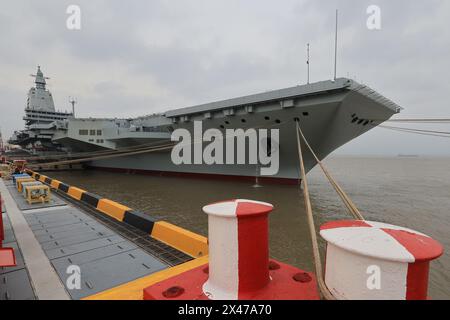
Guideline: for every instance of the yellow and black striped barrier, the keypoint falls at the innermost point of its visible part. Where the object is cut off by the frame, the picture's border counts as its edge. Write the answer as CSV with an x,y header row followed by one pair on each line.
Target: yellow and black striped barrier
x,y
186,241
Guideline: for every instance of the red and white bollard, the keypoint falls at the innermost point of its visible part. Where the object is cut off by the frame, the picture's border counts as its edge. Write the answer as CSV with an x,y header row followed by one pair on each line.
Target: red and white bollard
x,y
238,248
373,260
239,265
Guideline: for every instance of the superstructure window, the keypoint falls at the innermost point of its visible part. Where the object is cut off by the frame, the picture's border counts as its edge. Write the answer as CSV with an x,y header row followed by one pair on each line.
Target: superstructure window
x,y
83,132
92,132
99,132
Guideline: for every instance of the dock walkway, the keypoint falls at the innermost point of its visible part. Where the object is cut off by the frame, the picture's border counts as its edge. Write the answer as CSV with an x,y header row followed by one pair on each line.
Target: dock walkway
x,y
54,240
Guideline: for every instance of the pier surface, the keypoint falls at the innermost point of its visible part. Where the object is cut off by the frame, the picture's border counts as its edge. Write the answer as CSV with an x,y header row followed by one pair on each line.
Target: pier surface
x,y
53,240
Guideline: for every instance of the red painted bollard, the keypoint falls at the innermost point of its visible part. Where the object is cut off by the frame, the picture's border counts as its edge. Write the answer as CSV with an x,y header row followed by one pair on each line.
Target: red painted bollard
x,y
239,265
238,248
374,260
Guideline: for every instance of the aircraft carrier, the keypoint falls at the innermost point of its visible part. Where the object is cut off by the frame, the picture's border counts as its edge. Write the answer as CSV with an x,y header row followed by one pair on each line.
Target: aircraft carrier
x,y
330,114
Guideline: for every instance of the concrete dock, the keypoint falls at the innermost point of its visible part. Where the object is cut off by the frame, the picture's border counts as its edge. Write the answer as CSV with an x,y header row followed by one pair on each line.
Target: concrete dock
x,y
57,242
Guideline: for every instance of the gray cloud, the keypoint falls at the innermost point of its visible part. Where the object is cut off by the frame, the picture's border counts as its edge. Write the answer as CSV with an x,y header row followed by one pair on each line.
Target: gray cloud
x,y
138,57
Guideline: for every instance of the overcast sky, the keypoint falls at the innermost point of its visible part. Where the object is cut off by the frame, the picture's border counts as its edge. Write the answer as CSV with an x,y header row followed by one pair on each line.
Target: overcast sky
x,y
132,58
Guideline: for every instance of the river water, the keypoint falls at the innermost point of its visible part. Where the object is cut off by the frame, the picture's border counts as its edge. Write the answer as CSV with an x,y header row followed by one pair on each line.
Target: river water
x,y
413,192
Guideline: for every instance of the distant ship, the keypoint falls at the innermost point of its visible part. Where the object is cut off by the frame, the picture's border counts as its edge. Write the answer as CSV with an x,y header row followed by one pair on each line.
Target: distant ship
x,y
330,113
408,155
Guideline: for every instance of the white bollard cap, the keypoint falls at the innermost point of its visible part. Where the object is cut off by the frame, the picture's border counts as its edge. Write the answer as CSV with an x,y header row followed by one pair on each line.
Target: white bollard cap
x,y
374,260
238,208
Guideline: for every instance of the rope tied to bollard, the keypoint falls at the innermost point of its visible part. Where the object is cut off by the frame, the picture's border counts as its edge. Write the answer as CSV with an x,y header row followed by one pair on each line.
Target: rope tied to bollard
x,y
312,229
351,207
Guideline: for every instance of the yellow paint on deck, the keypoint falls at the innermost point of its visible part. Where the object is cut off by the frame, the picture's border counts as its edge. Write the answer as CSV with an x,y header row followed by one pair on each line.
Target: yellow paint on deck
x,y
112,208
133,290
186,241
75,192
55,184
42,178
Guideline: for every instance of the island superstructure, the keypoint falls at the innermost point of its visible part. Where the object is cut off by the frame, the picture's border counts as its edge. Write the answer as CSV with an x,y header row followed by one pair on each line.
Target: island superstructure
x,y
41,120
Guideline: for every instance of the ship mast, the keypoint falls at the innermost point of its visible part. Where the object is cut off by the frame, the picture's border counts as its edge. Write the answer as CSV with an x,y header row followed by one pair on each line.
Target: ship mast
x,y
39,79
335,44
72,101
307,62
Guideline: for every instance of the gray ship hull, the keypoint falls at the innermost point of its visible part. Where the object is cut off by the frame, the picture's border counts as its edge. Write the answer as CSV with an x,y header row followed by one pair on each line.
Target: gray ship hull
x,y
329,119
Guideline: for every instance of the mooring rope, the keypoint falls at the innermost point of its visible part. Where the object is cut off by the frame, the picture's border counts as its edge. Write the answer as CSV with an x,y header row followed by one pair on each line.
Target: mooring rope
x,y
345,198
420,120
115,155
435,133
79,155
312,229
443,134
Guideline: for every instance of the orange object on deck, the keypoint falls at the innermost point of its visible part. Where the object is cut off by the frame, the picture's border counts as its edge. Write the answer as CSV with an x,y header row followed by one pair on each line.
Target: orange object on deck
x,y
7,257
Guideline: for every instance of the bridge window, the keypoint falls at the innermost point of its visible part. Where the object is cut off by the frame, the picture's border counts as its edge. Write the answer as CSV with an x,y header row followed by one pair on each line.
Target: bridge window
x,y
83,132
99,132
92,132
